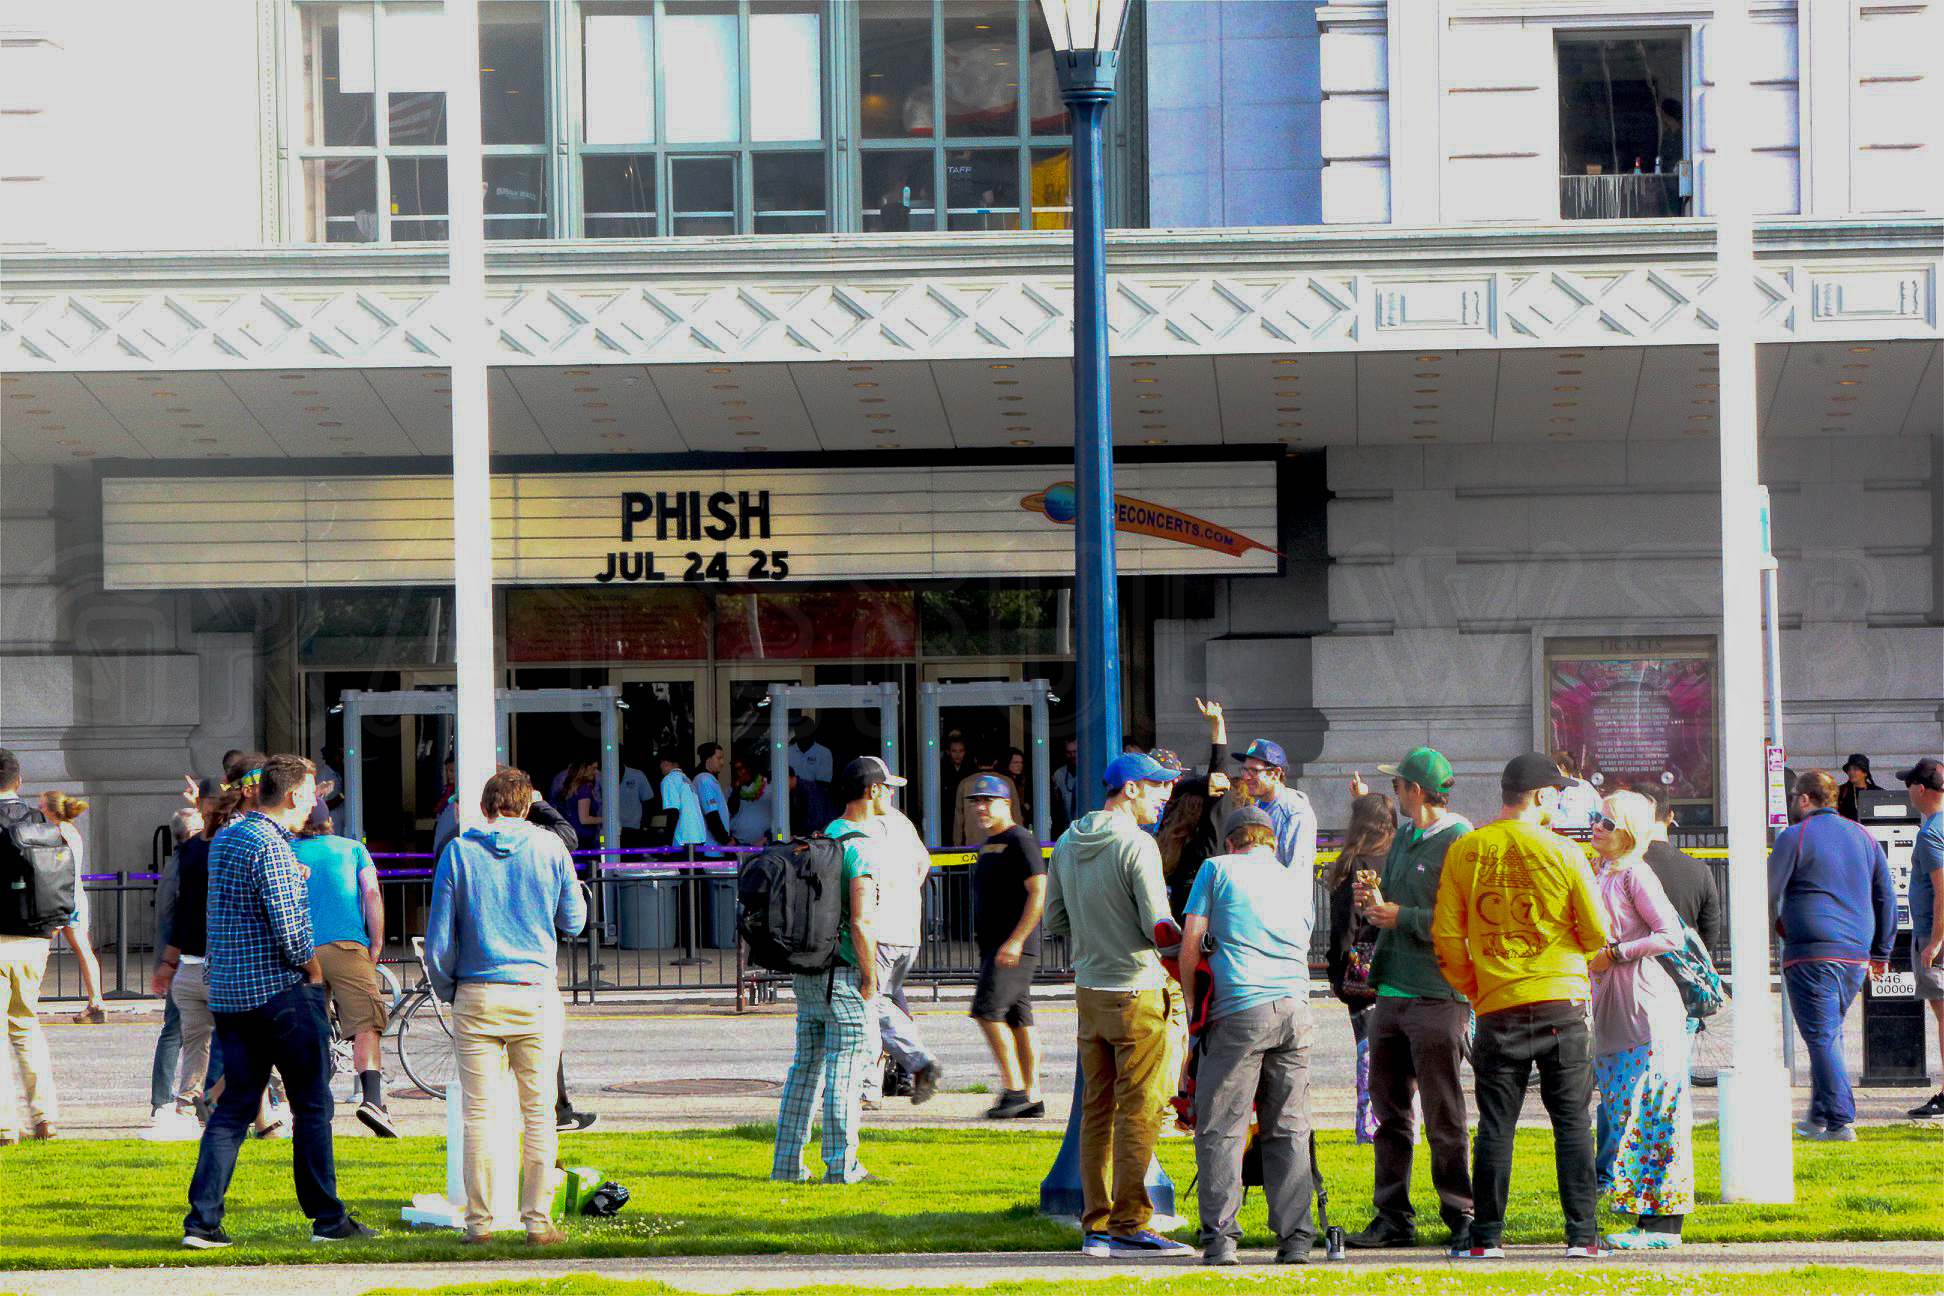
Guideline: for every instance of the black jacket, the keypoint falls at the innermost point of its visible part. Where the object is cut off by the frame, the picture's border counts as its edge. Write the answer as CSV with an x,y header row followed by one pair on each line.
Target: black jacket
x,y
1690,888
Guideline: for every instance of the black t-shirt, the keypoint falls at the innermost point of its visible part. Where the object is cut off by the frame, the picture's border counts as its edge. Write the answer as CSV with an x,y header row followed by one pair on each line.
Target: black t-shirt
x,y
999,889
189,928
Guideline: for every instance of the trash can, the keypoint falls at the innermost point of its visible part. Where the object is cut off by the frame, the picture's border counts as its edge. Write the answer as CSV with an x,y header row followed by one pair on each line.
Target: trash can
x,y
648,911
718,892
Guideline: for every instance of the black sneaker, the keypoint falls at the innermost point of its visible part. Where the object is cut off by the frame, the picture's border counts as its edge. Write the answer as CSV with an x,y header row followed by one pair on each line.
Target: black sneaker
x,y
574,1122
347,1231
377,1120
925,1083
1382,1233
1011,1103
1932,1109
196,1239
1031,1111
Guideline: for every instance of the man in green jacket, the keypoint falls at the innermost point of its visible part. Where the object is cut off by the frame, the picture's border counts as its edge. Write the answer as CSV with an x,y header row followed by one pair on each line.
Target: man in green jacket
x,y
1418,1025
1104,893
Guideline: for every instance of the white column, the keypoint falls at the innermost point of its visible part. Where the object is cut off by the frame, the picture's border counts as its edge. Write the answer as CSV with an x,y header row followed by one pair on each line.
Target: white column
x,y
1757,1158
472,498
1415,33
1825,84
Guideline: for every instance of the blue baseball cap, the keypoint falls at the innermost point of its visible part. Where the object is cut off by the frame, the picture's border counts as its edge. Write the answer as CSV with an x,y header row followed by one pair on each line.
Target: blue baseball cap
x,y
989,787
1267,752
1136,767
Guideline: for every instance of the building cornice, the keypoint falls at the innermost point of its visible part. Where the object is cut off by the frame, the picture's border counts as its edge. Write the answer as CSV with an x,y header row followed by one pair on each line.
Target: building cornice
x,y
1233,291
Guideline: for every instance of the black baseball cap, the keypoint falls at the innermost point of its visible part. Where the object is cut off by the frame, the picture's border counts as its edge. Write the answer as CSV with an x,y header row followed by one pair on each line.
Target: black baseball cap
x,y
1926,773
1530,772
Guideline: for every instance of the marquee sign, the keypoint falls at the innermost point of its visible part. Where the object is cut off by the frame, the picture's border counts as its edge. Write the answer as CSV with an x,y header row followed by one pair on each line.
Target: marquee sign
x,y
615,529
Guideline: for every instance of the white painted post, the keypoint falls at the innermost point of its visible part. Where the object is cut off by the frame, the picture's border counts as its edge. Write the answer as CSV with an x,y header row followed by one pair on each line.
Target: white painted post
x,y
472,491
1757,1157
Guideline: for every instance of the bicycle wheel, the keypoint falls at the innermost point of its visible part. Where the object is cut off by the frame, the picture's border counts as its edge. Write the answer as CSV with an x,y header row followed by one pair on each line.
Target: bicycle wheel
x,y
425,1045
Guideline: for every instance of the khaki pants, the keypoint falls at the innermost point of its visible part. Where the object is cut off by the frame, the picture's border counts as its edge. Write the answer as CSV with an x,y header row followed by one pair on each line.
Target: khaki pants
x,y
23,960
494,1027
1129,1061
190,990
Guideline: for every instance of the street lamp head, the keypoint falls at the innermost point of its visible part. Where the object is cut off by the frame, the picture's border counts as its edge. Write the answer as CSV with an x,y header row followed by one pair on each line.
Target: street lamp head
x,y
1086,44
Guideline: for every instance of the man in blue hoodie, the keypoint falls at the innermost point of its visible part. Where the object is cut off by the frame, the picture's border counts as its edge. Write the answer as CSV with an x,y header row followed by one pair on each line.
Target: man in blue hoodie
x,y
1836,910
502,897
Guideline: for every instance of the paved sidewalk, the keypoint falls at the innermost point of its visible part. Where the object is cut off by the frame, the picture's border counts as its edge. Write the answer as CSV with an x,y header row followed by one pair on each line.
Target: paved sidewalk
x,y
724,1274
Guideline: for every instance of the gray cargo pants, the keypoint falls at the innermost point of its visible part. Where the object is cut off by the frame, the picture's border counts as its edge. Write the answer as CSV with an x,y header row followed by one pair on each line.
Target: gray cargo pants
x,y
1256,1061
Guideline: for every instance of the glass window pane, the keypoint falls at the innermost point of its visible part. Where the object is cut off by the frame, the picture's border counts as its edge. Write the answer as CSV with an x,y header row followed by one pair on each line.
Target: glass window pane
x,y
790,193
786,72
1623,150
338,69
894,86
1045,113
618,193
516,197
411,67
981,68
341,200
1052,179
513,74
898,191
618,72
982,189
418,192
701,74
703,195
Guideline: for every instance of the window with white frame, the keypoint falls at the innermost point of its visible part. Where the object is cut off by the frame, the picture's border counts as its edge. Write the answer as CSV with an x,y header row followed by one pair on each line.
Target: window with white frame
x,y
703,117
372,136
1623,139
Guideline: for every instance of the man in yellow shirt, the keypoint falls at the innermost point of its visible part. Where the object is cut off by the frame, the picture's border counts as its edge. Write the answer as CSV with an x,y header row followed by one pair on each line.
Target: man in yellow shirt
x,y
1516,918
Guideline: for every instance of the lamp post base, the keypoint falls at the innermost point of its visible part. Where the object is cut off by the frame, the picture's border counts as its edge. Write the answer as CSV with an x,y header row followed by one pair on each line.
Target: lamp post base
x,y
1757,1154
1060,1192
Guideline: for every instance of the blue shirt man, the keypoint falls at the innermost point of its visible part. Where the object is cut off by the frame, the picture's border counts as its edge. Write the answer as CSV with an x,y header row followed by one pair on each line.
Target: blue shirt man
x,y
678,794
339,871
1290,816
1258,913
260,934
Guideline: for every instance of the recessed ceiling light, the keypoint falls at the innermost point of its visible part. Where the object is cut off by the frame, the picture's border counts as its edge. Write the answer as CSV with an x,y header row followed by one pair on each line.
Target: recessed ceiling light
x,y
1425,391
715,371
1289,409
1005,382
1289,362
1424,422
46,411
1019,428
1012,398
1429,359
599,421
999,366
734,404
1560,435
308,409
1707,386
859,368
216,454
747,432
1838,414
1020,443
1702,400
1153,427
727,386
77,441
285,377
1565,404
81,454
1151,411
147,378
587,387
1845,397
1567,388
1292,440
1140,364
1700,418
1861,350
1848,382
1858,365
613,436
1147,380
1155,441
1291,423
53,427
887,445
1572,355
742,418
875,414
752,449
870,400
864,384
163,395
1563,418
1289,393
1424,375
1424,436
328,423
1426,405
571,373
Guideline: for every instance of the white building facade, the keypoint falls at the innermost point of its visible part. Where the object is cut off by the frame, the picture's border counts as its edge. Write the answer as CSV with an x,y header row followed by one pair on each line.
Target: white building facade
x,y
1396,318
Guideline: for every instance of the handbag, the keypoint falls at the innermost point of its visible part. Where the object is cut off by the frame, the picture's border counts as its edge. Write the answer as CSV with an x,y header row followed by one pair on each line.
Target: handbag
x,y
1693,973
1357,964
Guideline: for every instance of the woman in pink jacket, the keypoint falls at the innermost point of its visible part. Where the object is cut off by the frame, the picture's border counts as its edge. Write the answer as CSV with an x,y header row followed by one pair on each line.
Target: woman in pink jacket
x,y
1645,1156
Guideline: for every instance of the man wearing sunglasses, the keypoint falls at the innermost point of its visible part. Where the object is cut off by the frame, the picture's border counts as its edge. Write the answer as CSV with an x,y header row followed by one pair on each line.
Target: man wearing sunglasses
x,y
1418,1025
1290,814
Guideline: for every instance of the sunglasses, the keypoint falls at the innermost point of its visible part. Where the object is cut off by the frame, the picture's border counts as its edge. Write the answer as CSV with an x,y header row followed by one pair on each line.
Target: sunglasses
x,y
1602,821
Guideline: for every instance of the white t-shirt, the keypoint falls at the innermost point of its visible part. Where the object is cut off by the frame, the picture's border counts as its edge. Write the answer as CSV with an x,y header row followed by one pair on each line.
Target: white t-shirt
x,y
710,797
900,899
814,764
678,794
636,791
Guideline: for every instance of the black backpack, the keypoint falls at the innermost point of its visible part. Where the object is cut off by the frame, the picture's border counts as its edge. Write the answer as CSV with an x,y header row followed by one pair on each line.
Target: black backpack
x,y
36,872
790,905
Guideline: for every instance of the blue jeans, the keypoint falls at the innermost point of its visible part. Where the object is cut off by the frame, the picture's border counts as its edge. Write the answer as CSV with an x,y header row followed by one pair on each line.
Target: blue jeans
x,y
1820,994
168,1047
291,1033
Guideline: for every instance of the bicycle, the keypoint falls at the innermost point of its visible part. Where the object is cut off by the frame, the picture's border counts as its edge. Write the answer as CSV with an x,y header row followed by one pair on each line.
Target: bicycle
x,y
420,1031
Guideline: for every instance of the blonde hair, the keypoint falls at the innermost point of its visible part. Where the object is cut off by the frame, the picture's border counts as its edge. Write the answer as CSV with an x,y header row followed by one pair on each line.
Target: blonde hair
x,y
1633,819
62,808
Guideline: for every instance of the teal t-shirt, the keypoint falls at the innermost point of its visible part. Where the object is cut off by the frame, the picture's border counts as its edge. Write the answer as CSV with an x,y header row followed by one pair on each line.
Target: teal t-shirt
x,y
336,901
868,846
1259,913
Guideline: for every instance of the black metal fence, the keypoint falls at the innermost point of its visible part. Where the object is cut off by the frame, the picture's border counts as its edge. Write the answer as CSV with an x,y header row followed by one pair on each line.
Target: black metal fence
x,y
662,920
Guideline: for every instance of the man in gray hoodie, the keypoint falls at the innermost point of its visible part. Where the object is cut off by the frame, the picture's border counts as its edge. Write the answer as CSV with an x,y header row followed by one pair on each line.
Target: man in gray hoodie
x,y
1104,892
502,897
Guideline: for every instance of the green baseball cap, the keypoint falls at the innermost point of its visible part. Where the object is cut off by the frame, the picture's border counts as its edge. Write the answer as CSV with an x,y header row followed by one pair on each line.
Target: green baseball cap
x,y
1424,767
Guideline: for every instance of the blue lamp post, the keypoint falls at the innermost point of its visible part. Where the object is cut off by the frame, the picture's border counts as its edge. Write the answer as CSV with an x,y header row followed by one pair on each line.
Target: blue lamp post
x,y
1086,50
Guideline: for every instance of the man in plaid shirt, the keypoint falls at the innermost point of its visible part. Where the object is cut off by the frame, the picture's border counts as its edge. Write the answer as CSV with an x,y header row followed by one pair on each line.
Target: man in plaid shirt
x,y
268,999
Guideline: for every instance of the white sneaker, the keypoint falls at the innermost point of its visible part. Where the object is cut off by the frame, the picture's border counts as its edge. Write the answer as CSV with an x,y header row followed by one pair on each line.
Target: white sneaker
x,y
173,1126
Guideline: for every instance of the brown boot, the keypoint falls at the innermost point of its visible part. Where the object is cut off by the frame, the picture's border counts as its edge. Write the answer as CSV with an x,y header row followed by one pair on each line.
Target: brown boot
x,y
476,1239
548,1236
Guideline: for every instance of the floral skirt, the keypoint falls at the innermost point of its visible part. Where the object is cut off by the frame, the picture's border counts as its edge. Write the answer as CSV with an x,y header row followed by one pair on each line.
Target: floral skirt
x,y
1647,1123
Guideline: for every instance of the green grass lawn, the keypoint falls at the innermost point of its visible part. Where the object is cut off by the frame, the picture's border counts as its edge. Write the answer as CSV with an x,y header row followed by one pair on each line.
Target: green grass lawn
x,y
80,1203
1594,1281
